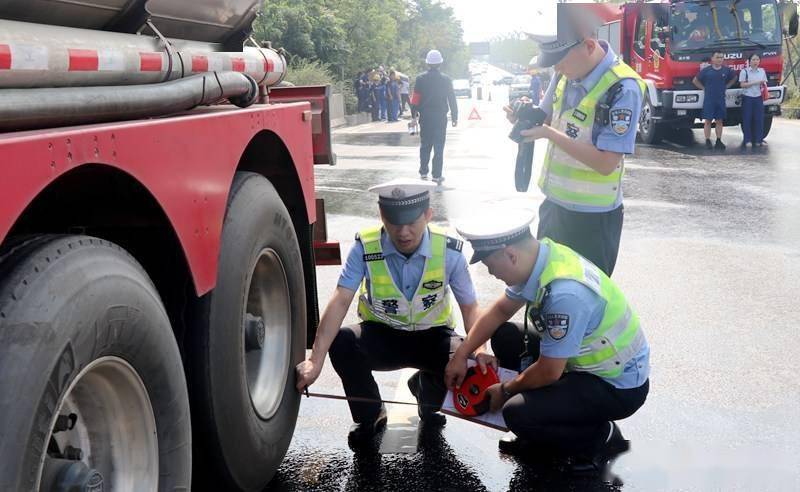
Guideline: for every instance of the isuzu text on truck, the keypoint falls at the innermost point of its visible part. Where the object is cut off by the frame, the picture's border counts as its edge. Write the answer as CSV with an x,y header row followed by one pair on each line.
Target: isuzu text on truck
x,y
666,41
157,249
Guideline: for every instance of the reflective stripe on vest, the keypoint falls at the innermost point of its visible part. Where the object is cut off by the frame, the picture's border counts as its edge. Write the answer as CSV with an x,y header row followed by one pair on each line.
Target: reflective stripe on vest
x,y
563,177
618,338
381,300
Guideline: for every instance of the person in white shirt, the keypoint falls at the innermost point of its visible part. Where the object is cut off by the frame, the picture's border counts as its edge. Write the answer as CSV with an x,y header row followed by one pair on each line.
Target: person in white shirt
x,y
750,79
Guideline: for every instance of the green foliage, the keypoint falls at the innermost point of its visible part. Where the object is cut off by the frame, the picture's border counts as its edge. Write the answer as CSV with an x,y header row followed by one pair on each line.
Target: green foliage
x,y
348,36
314,72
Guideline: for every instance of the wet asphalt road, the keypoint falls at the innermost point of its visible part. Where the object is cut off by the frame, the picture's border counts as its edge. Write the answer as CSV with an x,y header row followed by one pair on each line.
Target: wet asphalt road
x,y
710,260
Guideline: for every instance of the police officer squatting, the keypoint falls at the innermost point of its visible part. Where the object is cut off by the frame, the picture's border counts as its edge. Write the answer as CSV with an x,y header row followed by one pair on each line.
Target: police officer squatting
x,y
581,353
592,106
404,270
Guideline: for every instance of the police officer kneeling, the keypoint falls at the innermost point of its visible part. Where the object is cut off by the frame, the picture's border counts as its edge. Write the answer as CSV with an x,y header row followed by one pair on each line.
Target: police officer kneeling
x,y
406,270
582,354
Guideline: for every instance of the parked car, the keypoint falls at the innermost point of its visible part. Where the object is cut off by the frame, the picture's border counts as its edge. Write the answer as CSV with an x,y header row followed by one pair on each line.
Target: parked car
x,y
504,80
520,86
461,87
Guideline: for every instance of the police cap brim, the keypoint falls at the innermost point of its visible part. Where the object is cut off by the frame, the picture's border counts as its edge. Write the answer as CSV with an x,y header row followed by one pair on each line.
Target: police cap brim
x,y
404,215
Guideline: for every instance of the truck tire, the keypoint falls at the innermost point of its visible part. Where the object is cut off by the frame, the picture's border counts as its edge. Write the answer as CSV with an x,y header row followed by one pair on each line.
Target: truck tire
x,y
650,131
92,383
767,124
246,339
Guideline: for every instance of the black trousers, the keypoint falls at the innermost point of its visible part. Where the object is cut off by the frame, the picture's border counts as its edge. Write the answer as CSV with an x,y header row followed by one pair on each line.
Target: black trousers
x,y
569,416
432,132
595,236
360,349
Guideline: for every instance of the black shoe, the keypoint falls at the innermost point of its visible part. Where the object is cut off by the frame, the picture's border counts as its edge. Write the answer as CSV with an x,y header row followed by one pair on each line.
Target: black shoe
x,y
512,445
600,462
743,146
709,145
719,145
427,415
363,433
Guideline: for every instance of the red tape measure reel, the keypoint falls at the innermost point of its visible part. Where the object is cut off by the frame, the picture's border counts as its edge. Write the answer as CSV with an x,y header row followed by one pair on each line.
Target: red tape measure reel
x,y
471,398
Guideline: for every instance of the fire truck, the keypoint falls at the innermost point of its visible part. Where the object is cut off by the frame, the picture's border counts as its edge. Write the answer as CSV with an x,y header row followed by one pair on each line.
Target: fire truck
x,y
668,41
158,239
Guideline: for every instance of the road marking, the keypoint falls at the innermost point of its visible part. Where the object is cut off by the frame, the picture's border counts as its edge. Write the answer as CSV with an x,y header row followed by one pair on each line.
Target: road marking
x,y
400,436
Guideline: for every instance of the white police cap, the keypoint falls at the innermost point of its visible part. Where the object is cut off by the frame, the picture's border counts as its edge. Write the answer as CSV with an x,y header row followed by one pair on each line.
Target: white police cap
x,y
495,231
403,200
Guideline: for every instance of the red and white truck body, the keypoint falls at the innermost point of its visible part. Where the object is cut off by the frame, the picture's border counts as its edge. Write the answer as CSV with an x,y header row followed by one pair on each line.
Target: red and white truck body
x,y
157,245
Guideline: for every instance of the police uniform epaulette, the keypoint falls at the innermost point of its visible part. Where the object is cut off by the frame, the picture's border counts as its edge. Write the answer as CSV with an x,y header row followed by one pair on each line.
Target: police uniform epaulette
x,y
454,243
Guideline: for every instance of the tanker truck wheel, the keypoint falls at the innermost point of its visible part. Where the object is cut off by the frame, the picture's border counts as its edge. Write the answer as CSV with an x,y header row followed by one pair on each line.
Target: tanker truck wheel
x,y
247,336
92,392
767,125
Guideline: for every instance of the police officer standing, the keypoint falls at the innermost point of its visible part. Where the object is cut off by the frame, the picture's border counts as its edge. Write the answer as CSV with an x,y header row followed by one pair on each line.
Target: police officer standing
x,y
581,352
406,270
593,102
433,93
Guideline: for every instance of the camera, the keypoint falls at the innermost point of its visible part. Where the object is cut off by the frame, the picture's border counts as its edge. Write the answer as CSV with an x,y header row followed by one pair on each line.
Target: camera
x,y
528,115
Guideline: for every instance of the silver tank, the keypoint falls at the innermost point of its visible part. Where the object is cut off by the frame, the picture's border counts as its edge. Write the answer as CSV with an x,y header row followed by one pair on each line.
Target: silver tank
x,y
65,43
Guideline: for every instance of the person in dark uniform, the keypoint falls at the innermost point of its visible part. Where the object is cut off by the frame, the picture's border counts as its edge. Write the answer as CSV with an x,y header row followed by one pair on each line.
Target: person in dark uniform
x,y
593,104
433,93
581,353
404,272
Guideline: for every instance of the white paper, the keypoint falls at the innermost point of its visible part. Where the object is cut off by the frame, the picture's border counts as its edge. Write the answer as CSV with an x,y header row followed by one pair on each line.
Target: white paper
x,y
490,419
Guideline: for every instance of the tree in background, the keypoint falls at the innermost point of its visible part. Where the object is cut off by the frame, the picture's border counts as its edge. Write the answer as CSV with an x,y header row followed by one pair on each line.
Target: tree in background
x,y
512,51
347,36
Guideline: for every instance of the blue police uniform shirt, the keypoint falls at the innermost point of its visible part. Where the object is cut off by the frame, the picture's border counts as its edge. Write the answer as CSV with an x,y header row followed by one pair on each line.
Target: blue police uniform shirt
x,y
583,310
603,136
407,272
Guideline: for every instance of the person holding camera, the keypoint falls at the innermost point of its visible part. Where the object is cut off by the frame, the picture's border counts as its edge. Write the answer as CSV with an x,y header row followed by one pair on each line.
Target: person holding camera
x,y
592,107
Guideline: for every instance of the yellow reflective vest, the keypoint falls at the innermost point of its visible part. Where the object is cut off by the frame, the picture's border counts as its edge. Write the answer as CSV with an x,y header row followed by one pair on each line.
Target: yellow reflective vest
x,y
618,338
381,300
565,178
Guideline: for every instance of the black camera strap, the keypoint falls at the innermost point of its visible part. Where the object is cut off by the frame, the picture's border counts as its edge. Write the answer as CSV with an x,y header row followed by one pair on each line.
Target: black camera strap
x,y
533,313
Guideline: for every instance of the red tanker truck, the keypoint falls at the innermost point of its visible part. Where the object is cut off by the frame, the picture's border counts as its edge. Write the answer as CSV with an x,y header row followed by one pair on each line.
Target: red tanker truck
x,y
157,245
666,41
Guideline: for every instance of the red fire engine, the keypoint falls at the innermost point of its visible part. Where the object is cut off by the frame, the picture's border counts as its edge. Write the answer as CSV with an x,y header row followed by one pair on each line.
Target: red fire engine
x,y
666,41
157,245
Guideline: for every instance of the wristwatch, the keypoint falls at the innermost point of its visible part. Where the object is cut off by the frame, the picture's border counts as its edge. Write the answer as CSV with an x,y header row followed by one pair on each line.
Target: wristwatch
x,y
506,394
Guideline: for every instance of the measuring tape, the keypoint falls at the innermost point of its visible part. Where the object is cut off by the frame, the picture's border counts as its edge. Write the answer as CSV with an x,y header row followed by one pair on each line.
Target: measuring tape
x,y
470,399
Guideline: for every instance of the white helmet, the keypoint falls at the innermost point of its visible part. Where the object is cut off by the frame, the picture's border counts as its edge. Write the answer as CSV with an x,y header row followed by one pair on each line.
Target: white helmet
x,y
434,58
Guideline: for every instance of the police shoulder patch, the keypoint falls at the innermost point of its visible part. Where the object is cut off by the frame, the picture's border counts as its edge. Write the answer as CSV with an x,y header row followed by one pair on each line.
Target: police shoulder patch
x,y
620,120
557,325
454,243
432,284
